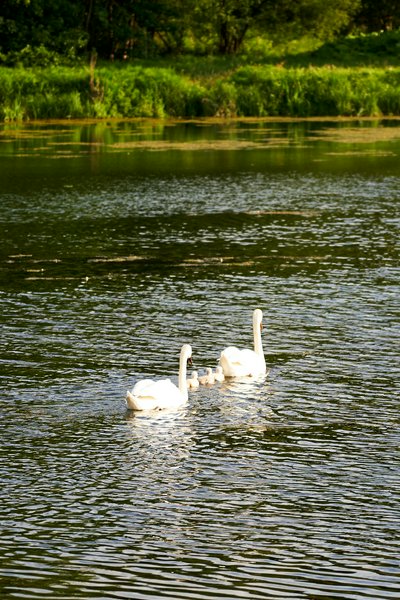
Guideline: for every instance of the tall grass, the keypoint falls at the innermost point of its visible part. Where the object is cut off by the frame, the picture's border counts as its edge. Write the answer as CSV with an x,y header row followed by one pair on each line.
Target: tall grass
x,y
43,93
127,91
148,92
262,91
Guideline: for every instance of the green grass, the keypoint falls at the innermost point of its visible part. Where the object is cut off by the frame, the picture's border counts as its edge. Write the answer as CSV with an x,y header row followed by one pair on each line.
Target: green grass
x,y
256,84
320,91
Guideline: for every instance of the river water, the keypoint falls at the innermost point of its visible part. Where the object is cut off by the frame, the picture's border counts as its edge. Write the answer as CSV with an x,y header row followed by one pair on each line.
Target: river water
x,y
122,241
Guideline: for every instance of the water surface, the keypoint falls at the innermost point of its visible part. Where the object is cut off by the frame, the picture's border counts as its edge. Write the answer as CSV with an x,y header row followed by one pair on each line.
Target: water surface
x,y
122,241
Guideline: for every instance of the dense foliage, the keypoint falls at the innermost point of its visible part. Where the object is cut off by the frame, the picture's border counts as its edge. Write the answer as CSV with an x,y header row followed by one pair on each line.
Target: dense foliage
x,y
198,58
46,31
249,91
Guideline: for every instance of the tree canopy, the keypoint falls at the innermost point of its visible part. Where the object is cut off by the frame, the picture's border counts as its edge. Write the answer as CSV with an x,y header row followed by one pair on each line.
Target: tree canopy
x,y
117,29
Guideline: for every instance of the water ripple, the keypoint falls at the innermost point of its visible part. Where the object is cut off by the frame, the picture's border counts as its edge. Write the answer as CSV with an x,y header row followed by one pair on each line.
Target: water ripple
x,y
282,487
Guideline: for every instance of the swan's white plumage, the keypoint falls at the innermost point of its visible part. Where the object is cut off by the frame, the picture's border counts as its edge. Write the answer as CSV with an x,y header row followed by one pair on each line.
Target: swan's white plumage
x,y
193,381
219,374
242,363
208,378
157,395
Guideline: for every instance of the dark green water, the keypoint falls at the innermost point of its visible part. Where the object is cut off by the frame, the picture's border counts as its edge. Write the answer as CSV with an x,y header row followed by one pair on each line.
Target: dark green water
x,y
122,241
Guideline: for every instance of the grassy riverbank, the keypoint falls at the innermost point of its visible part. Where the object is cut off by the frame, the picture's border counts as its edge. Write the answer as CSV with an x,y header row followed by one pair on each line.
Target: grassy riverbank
x,y
206,87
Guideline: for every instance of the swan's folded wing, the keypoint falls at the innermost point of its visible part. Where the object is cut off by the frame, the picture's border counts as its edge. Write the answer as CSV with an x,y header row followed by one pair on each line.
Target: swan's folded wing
x,y
238,363
248,357
254,364
232,354
163,387
143,387
231,362
140,402
153,395
167,394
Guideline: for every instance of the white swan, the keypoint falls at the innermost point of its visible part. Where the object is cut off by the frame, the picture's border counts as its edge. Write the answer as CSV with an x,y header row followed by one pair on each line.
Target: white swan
x,y
208,378
152,395
193,382
219,374
240,363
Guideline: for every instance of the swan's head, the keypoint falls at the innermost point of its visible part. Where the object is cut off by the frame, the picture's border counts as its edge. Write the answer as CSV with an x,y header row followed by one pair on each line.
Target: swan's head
x,y
195,374
186,353
257,317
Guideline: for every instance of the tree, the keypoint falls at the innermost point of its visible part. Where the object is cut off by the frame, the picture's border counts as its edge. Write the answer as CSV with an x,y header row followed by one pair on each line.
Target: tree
x,y
229,21
226,21
118,28
379,16
323,19
123,28
54,24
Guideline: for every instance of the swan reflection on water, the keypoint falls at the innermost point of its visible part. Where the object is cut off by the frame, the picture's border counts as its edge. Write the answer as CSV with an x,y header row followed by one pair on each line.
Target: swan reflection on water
x,y
246,398
159,441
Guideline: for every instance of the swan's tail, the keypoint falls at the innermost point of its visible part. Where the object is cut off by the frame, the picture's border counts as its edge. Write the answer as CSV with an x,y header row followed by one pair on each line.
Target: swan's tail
x,y
131,401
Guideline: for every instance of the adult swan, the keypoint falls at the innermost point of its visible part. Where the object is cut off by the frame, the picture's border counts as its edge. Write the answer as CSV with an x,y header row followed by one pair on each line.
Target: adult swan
x,y
158,395
241,363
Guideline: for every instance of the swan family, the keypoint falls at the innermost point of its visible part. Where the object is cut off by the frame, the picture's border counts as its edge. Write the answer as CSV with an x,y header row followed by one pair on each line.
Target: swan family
x,y
233,362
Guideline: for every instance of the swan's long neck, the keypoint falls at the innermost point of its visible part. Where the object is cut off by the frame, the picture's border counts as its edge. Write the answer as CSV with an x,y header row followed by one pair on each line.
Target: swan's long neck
x,y
257,320
182,372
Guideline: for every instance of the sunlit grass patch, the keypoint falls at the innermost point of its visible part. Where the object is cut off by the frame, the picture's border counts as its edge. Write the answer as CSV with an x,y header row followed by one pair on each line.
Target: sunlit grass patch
x,y
136,91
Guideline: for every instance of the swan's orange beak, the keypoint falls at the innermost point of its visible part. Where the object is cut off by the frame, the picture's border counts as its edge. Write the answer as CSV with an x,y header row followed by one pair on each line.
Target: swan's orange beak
x,y
189,361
